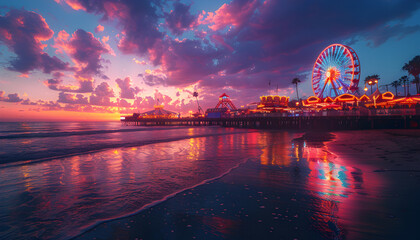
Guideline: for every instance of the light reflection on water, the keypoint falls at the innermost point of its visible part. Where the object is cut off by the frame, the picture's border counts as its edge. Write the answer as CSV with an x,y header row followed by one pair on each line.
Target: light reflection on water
x,y
337,186
60,198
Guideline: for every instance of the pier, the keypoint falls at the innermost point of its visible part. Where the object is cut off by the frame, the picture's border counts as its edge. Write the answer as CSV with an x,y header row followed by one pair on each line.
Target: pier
x,y
273,121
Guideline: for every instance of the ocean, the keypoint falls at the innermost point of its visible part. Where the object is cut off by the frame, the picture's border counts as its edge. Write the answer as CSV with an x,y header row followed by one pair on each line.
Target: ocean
x,y
63,180
58,179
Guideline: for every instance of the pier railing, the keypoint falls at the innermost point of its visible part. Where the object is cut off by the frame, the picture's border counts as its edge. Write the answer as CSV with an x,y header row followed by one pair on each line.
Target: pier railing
x,y
371,119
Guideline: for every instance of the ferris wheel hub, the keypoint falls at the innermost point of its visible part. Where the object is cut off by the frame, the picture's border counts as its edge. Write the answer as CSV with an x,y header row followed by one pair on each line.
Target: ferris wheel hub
x,y
333,73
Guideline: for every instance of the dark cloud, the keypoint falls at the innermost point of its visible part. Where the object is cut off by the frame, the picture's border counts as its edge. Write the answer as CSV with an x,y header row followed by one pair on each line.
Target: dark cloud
x,y
180,18
381,35
23,33
246,43
155,77
152,80
279,39
126,90
138,19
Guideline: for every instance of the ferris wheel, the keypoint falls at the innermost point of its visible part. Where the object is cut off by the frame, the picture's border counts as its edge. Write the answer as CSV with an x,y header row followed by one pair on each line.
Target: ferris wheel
x,y
336,71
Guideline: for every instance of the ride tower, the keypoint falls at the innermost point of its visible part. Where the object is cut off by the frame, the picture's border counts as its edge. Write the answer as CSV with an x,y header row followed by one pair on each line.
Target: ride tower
x,y
225,102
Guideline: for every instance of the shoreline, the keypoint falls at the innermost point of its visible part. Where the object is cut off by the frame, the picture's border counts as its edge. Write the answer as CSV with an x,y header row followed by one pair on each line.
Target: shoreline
x,y
156,202
197,208
34,158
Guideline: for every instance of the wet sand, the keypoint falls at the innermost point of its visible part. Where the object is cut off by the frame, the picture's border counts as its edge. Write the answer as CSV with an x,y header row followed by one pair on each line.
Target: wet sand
x,y
340,185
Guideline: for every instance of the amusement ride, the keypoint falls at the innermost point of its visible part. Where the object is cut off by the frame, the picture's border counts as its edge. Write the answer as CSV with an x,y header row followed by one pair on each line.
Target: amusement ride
x,y
336,71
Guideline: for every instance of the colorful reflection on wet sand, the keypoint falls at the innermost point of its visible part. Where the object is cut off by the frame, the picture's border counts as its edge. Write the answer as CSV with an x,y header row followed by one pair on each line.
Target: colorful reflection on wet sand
x,y
283,184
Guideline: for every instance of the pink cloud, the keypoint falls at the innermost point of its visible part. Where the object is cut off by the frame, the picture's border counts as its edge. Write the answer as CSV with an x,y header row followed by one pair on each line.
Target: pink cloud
x,y
101,96
99,28
105,40
72,98
180,19
76,5
235,14
12,97
154,77
220,40
127,91
268,38
83,85
142,62
85,51
23,33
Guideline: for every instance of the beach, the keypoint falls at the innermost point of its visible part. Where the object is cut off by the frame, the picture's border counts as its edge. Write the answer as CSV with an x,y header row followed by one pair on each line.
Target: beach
x,y
340,185
107,181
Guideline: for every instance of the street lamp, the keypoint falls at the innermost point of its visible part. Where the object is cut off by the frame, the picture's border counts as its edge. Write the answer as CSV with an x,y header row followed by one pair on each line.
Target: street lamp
x,y
371,83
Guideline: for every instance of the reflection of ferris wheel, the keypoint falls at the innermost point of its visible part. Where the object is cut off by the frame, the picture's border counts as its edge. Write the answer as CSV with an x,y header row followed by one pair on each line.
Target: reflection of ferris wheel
x,y
336,71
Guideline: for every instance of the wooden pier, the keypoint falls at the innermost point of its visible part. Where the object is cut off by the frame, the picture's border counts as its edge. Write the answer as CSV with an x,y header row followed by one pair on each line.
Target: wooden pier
x,y
299,122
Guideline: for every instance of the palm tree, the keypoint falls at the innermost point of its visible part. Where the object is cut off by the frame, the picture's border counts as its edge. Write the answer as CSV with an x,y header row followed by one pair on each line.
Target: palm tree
x,y
413,68
403,81
296,81
416,81
386,86
200,110
372,80
395,84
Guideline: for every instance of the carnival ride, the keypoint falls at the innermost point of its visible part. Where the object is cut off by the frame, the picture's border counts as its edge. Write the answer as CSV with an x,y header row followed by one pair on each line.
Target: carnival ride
x,y
272,103
225,102
200,110
336,71
222,109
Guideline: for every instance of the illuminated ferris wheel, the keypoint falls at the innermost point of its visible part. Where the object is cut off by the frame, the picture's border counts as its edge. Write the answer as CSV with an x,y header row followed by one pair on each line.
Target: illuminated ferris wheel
x,y
336,71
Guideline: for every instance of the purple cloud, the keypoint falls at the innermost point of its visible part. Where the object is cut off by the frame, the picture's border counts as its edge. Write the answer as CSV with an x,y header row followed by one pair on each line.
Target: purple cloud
x,y
246,43
180,18
23,33
56,83
12,97
101,95
84,49
126,90
138,19
72,98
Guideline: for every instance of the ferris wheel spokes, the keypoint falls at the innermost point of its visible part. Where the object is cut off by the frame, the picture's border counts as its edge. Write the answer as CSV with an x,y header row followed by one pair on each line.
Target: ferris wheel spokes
x,y
336,71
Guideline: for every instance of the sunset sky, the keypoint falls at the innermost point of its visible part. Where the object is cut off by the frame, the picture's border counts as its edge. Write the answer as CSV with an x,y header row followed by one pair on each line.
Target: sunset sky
x,y
92,60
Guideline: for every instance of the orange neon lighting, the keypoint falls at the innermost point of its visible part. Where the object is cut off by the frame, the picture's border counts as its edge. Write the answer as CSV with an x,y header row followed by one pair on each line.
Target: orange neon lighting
x,y
313,99
364,98
328,99
345,98
388,96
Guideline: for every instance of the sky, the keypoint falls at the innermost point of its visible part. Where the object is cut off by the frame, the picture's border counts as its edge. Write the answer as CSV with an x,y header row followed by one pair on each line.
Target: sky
x,y
76,60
